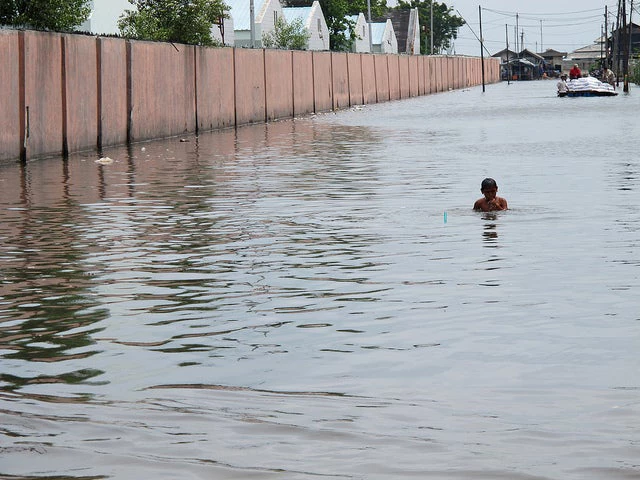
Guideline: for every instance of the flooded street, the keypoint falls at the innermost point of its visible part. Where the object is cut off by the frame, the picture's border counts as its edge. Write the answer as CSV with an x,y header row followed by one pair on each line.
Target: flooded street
x,y
316,299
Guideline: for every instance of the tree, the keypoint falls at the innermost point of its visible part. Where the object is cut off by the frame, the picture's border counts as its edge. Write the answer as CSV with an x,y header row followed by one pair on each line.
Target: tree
x,y
55,15
445,24
288,36
177,21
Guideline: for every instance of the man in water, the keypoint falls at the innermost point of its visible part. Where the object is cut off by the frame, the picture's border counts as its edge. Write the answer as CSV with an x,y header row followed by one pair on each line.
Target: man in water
x,y
562,84
490,202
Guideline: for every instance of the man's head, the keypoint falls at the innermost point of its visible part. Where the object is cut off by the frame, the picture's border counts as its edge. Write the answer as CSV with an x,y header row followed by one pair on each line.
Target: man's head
x,y
489,188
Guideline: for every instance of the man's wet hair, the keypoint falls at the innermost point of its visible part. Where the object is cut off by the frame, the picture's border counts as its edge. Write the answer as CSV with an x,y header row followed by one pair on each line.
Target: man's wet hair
x,y
488,183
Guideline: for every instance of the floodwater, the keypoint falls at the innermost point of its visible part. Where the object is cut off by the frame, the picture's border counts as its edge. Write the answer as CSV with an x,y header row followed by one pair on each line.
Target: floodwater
x,y
290,301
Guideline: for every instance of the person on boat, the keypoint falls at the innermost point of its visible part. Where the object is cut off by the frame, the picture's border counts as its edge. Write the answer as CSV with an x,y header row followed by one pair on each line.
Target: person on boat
x,y
608,76
491,201
562,84
575,72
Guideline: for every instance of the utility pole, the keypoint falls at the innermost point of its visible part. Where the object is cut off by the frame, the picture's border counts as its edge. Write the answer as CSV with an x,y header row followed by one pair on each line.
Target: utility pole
x,y
606,36
541,46
517,28
369,15
625,53
252,26
431,29
481,46
506,32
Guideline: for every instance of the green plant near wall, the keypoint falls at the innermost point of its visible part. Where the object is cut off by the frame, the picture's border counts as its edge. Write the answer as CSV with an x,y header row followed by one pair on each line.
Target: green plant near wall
x,y
173,20
287,35
53,15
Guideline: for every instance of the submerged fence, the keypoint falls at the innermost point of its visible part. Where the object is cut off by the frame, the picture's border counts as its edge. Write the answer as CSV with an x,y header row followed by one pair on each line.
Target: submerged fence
x,y
67,93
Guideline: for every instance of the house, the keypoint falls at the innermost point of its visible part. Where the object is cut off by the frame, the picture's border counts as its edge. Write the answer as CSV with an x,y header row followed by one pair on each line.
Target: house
x,y
313,20
265,13
587,58
104,16
505,55
622,37
406,26
361,29
553,58
383,38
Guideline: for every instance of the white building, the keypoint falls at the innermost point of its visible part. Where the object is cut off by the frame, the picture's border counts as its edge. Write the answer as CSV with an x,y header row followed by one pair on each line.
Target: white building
x,y
383,38
315,23
104,16
265,14
361,29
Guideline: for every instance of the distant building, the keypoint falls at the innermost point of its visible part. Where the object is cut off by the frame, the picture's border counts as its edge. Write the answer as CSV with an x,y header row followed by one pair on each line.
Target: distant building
x,y
406,26
383,38
265,14
361,29
313,20
104,16
553,58
587,58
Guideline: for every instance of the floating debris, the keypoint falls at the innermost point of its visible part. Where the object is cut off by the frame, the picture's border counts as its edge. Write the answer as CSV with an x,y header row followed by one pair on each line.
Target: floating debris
x,y
105,161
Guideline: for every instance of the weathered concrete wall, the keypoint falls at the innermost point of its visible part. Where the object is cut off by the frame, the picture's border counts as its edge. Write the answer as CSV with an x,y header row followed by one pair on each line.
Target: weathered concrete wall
x,y
215,88
354,66
393,62
414,78
81,92
322,81
303,88
162,90
382,77
67,92
112,86
250,86
403,73
10,83
340,80
369,92
278,76
43,93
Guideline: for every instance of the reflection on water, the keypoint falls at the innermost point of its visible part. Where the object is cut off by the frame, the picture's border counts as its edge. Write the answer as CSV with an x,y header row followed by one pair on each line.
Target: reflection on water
x,y
286,301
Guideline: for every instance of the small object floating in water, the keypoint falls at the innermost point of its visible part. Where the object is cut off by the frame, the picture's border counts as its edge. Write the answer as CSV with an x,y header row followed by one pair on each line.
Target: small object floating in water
x,y
184,139
445,217
105,161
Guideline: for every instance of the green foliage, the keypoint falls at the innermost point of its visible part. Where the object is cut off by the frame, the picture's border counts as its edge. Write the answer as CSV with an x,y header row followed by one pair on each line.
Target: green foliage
x,y
177,21
287,36
634,69
54,15
445,24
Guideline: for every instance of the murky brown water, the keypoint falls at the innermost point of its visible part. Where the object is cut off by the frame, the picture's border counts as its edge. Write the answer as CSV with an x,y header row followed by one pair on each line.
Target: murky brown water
x,y
287,301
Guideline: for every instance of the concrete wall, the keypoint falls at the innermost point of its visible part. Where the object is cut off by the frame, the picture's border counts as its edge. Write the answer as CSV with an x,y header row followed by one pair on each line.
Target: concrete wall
x,y
250,86
278,76
340,80
369,90
162,90
112,87
303,88
354,67
70,93
81,92
43,107
11,84
322,81
215,88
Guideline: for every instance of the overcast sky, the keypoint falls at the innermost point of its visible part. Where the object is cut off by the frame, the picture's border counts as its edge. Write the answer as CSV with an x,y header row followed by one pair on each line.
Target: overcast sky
x,y
561,25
